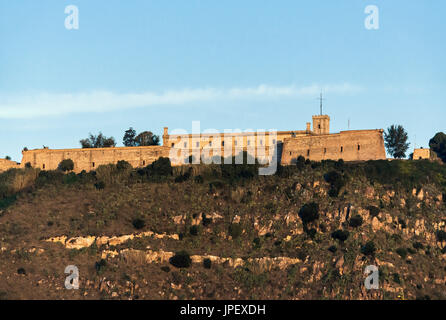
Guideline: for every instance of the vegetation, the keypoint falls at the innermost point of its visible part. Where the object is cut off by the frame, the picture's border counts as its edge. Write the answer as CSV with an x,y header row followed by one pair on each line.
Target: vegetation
x,y
438,145
99,141
66,165
145,138
396,141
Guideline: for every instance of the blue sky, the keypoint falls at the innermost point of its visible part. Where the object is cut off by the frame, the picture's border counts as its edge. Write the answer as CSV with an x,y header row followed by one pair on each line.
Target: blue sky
x,y
229,64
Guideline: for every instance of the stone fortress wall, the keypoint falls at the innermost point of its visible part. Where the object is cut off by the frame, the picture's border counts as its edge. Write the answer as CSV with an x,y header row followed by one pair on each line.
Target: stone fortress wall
x,y
314,144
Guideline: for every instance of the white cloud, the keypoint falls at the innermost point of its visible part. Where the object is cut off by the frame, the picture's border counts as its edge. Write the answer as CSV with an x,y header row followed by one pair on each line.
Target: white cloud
x,y
54,104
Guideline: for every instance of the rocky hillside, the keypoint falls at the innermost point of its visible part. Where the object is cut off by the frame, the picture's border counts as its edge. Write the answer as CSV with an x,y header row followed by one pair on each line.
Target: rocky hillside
x,y
222,232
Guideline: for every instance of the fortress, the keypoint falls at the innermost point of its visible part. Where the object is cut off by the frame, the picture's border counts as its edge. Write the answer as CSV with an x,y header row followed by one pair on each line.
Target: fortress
x,y
316,143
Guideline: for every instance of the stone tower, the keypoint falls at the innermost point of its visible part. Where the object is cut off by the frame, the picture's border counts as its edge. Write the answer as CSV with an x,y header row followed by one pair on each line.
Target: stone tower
x,y
321,124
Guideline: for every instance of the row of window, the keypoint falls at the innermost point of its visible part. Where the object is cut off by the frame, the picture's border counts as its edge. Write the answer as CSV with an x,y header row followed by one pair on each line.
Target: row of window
x,y
325,150
197,144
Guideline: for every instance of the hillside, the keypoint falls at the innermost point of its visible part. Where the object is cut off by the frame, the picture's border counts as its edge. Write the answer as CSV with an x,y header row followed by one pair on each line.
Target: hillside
x,y
223,232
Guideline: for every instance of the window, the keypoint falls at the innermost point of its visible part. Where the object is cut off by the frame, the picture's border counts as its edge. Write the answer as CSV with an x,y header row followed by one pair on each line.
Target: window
x,y
308,152
235,142
198,144
222,143
43,166
173,145
143,162
210,143
274,141
342,149
249,142
359,147
92,164
319,126
290,153
185,144
325,150
261,142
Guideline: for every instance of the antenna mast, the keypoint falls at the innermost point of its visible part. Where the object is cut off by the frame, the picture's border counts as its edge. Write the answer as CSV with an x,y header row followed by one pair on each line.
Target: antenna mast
x,y
321,99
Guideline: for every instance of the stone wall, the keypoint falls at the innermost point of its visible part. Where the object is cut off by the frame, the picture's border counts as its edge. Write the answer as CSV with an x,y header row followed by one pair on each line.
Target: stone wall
x,y
422,154
8,164
90,159
355,145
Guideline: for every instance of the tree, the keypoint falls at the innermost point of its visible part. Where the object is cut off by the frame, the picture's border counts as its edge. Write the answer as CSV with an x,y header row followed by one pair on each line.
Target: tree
x,y
438,145
147,138
396,141
66,165
129,138
8,158
99,141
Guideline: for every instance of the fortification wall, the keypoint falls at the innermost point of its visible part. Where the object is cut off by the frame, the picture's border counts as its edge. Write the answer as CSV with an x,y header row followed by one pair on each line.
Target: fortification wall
x,y
422,154
359,145
90,159
8,164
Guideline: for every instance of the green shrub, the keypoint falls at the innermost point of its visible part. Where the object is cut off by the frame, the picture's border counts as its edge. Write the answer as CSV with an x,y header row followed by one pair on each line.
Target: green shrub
x,y
368,249
418,245
193,230
198,179
123,165
340,235
356,221
66,165
138,223
100,265
300,162
336,181
248,279
181,260
374,211
235,230
441,235
207,263
402,252
332,249
100,185
309,212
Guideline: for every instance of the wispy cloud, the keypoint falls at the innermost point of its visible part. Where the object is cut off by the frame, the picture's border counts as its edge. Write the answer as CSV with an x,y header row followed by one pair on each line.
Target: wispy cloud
x,y
54,104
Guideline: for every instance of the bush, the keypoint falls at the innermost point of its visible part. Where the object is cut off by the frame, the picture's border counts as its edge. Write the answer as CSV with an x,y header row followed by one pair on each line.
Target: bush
x,y
336,181
368,249
100,265
418,245
340,235
300,162
235,230
356,221
441,235
198,179
332,249
402,252
207,263
193,230
100,185
309,212
181,260
374,211
138,223
66,165
123,165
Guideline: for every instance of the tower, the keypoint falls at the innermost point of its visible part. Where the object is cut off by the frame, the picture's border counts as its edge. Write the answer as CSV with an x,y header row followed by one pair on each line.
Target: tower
x,y
321,124
165,136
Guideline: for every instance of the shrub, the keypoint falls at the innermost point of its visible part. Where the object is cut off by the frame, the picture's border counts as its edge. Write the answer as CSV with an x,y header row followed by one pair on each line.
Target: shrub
x,y
181,260
165,269
340,235
374,211
99,185
311,232
336,181
418,245
193,230
28,165
300,162
123,165
100,265
235,230
368,249
207,263
309,212
205,221
441,235
332,249
356,221
402,252
66,165
138,223
21,271
198,179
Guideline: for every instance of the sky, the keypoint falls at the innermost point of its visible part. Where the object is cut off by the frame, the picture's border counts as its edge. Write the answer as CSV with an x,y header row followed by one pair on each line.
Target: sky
x,y
251,64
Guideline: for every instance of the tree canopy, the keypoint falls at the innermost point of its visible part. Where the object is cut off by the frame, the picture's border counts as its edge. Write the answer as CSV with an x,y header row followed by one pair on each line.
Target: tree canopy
x,y
99,141
145,138
129,138
396,141
438,145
